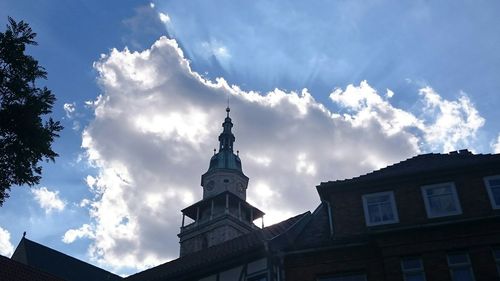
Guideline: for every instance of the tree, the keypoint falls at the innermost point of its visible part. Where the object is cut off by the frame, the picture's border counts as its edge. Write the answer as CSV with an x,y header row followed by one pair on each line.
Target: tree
x,y
25,137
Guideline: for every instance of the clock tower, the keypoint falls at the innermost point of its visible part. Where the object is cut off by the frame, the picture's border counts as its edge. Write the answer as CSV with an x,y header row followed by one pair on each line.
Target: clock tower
x,y
223,213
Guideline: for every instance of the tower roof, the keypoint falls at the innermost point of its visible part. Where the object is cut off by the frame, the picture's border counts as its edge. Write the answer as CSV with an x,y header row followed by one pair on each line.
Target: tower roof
x,y
225,158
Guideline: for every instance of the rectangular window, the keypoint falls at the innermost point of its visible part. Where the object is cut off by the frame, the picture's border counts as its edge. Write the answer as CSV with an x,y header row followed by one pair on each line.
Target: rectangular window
x,y
493,186
460,267
441,200
380,208
496,256
413,270
355,277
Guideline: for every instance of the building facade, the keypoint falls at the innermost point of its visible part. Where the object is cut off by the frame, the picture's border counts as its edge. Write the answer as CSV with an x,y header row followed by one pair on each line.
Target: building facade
x,y
431,217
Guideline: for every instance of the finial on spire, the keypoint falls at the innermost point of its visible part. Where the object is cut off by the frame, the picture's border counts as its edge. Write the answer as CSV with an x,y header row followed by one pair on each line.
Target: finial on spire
x,y
226,138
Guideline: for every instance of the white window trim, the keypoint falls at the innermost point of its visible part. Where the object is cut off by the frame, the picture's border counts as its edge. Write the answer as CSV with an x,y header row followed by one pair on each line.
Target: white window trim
x,y
407,271
467,264
455,198
494,205
393,207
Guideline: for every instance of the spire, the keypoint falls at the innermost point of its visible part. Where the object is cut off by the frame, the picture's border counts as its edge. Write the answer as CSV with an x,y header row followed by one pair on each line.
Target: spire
x,y
225,157
226,138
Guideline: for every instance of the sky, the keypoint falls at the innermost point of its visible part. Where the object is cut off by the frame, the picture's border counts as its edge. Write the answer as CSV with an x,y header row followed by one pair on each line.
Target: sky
x,y
318,91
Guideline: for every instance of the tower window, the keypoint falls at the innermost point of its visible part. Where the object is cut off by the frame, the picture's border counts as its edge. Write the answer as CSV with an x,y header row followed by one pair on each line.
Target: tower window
x,y
226,180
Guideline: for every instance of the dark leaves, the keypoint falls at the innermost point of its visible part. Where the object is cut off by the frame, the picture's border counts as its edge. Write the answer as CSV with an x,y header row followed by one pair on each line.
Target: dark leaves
x,y
25,138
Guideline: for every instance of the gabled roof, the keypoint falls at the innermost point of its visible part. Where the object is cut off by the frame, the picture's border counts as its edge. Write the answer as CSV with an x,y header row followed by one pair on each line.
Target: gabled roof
x,y
316,233
243,247
13,270
58,264
421,165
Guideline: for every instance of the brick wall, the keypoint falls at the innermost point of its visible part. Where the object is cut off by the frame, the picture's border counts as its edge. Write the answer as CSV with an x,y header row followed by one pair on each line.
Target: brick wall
x,y
347,205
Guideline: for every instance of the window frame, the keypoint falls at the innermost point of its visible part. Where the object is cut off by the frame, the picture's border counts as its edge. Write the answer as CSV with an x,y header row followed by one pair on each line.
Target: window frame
x,y
454,194
407,271
453,266
392,202
494,204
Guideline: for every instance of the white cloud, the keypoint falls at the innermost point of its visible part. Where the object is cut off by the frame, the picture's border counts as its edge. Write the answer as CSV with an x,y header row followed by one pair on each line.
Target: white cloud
x,y
496,145
441,125
365,106
454,123
76,126
217,49
71,113
48,200
70,109
389,93
164,17
85,231
6,248
157,122
260,159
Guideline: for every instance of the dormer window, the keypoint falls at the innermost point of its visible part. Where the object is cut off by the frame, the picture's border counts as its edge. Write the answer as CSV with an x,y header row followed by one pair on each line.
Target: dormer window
x,y
380,208
441,200
493,186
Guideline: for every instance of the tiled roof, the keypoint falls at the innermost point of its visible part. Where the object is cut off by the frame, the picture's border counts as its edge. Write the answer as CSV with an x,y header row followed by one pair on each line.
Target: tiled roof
x,y
56,263
228,251
421,164
11,270
316,232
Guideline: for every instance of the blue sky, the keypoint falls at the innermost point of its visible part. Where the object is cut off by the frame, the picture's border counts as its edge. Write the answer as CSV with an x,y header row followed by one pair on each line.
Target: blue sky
x,y
333,89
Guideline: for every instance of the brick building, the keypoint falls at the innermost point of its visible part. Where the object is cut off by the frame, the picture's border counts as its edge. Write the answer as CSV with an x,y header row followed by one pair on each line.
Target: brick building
x,y
431,217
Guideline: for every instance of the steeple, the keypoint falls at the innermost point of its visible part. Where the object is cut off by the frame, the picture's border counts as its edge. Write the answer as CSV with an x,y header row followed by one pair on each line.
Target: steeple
x,y
225,159
226,138
223,213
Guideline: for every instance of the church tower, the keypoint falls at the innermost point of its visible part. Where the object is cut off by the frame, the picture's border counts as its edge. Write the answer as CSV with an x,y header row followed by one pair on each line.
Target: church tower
x,y
223,213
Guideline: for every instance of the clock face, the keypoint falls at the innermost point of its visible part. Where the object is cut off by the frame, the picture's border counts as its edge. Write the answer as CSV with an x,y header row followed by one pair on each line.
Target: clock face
x,y
210,185
241,188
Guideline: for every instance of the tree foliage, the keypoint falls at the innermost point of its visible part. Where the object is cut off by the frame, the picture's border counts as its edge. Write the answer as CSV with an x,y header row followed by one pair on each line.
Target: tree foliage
x,y
25,137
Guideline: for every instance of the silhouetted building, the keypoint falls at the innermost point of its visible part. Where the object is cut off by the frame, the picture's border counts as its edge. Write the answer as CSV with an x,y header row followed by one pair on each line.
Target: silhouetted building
x,y
222,243
255,256
13,270
223,213
54,264
431,217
